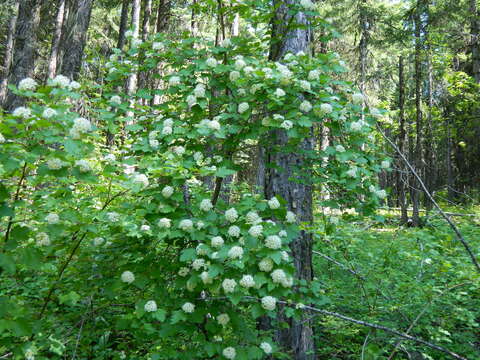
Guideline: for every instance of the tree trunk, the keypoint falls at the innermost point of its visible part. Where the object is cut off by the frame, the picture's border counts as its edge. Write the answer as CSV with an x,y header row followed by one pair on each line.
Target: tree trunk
x,y
24,53
163,15
52,63
418,160
235,29
7,58
76,37
133,78
147,13
193,20
401,179
123,24
475,43
363,43
278,179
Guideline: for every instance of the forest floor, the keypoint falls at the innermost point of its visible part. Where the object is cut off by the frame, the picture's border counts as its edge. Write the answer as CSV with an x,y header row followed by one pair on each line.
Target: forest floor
x,y
415,280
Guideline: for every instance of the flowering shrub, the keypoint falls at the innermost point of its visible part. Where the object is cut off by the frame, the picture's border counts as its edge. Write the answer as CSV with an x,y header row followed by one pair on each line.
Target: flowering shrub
x,y
131,233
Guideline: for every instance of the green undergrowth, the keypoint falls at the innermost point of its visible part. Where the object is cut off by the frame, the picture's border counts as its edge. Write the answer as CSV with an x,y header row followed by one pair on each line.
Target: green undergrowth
x,y
391,274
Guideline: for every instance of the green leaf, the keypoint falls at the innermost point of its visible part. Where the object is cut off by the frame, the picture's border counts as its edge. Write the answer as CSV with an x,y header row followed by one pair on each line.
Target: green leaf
x,y
188,255
223,172
160,315
7,263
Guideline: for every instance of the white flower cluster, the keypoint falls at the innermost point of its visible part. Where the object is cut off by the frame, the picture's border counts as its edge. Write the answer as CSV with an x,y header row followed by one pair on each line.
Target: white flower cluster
x,y
307,4
174,81
206,278
211,62
253,218
42,239
266,347
150,306
279,277
164,223
256,231
269,303
141,179
273,203
27,84
265,265
305,106
352,172
115,99
167,191
326,108
273,242
2,139
80,126
145,227
287,125
357,125
385,164
188,307
217,241
127,277
98,241
186,225
223,319
305,85
314,75
55,164
234,76
247,281
339,148
22,112
242,107
236,252
229,285
197,264
183,271
49,113
231,215
279,93
158,46
113,216
206,205
234,231
199,91
290,217
60,81
229,353
83,165
52,218
357,98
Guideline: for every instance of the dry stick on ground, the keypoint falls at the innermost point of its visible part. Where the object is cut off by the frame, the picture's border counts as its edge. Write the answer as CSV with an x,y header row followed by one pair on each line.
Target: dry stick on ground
x,y
430,197
419,316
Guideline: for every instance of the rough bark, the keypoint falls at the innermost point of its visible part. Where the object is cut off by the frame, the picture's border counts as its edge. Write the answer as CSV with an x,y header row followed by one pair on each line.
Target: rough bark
x,y
400,178
53,61
163,14
123,24
418,161
75,38
7,58
475,43
284,180
363,46
147,13
193,20
24,53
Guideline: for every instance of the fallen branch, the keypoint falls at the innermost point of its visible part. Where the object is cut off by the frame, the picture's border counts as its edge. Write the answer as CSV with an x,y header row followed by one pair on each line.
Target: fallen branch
x,y
352,320
430,197
339,264
423,210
